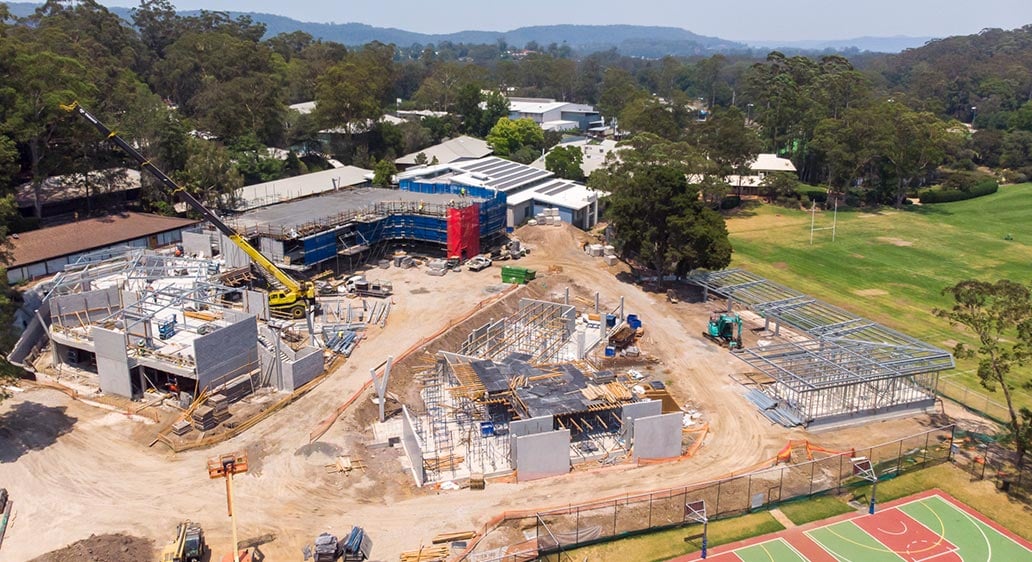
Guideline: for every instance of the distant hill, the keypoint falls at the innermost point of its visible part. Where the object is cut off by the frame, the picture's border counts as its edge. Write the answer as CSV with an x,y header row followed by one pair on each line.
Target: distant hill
x,y
894,44
632,40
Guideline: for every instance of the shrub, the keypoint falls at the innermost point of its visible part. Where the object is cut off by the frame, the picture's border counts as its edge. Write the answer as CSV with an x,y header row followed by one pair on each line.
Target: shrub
x,y
730,202
938,195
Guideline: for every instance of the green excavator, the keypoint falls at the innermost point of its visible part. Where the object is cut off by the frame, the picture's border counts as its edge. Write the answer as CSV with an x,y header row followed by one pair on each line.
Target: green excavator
x,y
725,329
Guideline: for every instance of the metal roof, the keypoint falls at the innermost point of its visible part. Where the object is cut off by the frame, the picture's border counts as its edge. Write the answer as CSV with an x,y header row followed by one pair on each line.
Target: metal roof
x,y
845,349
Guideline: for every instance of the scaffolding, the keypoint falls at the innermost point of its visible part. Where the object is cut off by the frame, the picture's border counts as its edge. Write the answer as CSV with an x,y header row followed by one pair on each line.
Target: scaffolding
x,y
843,367
542,330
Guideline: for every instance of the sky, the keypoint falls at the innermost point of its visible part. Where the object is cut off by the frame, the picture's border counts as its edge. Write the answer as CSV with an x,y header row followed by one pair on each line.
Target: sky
x,y
781,20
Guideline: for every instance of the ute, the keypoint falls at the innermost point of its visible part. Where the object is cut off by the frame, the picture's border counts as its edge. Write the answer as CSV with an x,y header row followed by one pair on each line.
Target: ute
x,y
288,296
478,263
725,329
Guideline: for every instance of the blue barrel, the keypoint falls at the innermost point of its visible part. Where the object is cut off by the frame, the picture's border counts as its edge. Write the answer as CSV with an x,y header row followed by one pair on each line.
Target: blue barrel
x,y
487,429
610,351
610,320
633,321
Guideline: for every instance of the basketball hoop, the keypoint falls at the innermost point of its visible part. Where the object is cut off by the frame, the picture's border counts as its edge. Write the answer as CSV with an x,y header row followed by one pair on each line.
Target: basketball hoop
x,y
696,511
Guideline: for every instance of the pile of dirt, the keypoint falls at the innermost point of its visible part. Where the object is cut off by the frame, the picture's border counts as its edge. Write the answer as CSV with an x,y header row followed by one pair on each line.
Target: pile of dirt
x,y
103,548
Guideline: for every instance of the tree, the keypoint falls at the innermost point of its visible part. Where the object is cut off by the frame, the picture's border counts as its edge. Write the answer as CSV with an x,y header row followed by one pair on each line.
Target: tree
x,y
384,172
913,143
507,136
210,175
31,114
565,162
727,142
779,184
659,219
8,373
1000,315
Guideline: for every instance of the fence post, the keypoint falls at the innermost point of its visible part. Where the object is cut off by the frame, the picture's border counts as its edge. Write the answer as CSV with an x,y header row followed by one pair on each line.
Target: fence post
x,y
718,496
953,437
650,511
899,458
781,485
813,467
748,496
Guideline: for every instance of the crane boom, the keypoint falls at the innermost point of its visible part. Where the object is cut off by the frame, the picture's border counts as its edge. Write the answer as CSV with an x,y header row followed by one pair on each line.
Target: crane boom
x,y
293,290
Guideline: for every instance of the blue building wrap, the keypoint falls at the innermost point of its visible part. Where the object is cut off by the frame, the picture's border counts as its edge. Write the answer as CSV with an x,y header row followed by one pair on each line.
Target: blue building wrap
x,y
492,208
323,246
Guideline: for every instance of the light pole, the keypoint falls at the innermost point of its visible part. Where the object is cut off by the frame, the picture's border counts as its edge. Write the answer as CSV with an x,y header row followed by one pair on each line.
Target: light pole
x,y
750,106
974,113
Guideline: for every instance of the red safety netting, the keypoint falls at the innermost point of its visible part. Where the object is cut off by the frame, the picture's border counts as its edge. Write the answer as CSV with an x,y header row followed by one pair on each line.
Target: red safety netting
x,y
464,232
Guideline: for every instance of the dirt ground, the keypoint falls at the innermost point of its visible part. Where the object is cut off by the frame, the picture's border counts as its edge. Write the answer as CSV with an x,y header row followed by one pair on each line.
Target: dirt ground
x,y
74,470
102,548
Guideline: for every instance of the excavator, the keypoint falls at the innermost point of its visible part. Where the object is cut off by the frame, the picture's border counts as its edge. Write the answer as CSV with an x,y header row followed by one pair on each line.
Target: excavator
x,y
288,296
725,329
188,546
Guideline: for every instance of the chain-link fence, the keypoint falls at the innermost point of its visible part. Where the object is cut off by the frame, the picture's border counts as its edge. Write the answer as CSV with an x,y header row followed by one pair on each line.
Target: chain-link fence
x,y
974,400
986,459
559,530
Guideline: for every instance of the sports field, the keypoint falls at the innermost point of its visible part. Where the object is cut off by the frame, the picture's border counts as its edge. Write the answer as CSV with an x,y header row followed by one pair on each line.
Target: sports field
x,y
928,527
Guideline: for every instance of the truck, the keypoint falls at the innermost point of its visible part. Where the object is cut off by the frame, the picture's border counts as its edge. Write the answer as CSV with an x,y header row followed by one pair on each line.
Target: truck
x,y
188,546
286,296
354,547
360,286
477,263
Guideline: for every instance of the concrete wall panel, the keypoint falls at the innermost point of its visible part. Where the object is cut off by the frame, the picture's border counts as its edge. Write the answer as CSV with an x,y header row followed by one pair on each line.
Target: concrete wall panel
x,y
195,243
542,455
307,366
531,426
413,447
227,352
112,362
234,256
658,437
637,410
91,305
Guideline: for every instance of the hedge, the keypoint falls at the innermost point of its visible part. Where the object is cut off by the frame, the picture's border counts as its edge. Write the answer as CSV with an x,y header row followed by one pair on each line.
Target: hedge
x,y
945,196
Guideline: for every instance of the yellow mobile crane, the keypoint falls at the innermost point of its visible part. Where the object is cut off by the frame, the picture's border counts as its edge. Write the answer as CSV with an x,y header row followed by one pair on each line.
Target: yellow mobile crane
x,y
293,297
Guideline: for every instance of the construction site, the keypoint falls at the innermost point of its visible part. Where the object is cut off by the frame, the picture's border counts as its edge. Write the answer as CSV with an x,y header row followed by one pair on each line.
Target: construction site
x,y
397,404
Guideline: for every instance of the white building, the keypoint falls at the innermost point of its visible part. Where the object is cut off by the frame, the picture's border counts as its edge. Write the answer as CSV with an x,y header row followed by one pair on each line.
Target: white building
x,y
452,150
555,115
528,190
594,151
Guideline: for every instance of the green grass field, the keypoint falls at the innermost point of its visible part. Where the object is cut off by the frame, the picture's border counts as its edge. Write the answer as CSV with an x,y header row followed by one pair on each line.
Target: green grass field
x,y
891,266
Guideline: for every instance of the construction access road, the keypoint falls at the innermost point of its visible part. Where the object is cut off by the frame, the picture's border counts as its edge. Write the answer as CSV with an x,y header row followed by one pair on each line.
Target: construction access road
x,y
74,469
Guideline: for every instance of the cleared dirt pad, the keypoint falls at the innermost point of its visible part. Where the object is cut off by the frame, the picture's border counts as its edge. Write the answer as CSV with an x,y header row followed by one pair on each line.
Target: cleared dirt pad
x,y
103,548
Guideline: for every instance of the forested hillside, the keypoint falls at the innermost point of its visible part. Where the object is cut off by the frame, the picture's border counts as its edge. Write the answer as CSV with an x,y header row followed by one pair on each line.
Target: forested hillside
x,y
204,95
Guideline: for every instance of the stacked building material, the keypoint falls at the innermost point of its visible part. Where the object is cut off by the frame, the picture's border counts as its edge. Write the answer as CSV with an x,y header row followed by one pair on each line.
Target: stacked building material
x,y
220,407
203,418
181,427
342,342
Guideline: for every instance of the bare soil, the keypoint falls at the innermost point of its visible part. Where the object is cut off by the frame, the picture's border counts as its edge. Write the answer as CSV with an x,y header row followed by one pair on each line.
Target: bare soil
x,y
102,548
74,470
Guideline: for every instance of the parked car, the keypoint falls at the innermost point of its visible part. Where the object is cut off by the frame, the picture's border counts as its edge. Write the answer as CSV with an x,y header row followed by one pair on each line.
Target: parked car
x,y
478,263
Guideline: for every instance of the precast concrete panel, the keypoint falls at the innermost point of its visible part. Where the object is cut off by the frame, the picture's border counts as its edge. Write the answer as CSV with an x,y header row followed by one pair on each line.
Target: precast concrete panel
x,y
228,351
542,455
234,256
531,426
658,437
112,362
257,303
197,243
527,427
413,447
306,366
629,412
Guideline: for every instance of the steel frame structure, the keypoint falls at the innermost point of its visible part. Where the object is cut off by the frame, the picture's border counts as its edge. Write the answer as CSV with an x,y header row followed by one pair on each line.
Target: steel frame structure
x,y
848,366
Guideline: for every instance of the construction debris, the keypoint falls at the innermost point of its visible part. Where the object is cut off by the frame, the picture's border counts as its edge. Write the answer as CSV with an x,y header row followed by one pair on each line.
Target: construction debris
x,y
427,554
452,537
